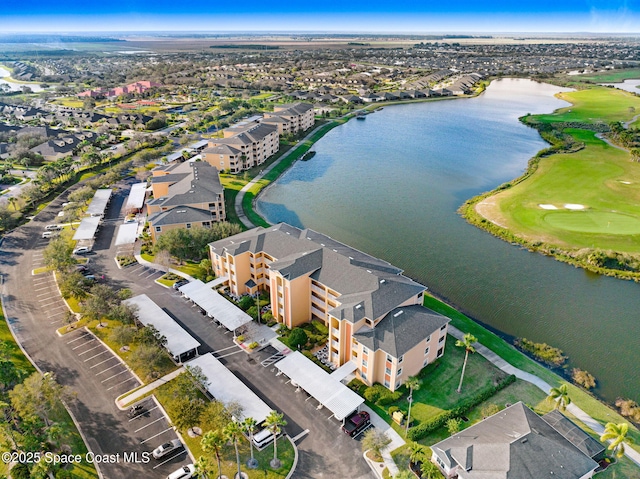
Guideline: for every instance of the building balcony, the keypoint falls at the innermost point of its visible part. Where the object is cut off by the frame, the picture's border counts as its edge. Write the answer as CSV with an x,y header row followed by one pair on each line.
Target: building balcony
x,y
317,312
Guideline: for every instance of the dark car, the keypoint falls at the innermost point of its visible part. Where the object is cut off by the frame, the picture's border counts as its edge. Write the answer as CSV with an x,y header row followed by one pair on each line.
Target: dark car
x,y
356,423
180,283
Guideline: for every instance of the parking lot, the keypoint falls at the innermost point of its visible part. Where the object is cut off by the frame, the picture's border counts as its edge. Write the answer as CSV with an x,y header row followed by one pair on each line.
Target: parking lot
x,y
149,427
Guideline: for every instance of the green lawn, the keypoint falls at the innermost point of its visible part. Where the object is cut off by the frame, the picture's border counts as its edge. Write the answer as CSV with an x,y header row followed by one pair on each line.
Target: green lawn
x,y
594,105
72,102
599,177
615,76
588,403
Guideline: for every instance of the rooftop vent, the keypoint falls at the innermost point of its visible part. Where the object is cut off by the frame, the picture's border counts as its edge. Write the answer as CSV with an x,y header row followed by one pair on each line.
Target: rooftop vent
x,y
398,314
382,281
358,306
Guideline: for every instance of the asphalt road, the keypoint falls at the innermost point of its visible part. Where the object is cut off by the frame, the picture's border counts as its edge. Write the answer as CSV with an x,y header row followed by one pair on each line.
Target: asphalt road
x,y
324,451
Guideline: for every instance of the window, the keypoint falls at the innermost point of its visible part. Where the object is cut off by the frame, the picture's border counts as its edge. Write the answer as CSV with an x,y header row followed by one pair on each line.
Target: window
x,y
426,361
389,358
443,327
399,372
364,350
364,363
206,224
386,383
428,339
188,225
426,351
440,352
400,359
441,339
398,384
158,228
387,370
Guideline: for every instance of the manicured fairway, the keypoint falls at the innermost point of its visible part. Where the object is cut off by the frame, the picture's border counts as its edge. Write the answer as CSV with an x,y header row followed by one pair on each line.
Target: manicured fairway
x,y
598,104
599,183
614,76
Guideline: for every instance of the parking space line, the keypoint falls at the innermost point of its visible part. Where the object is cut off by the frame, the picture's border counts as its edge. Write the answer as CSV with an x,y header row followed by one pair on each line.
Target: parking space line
x,y
54,314
91,349
90,341
144,272
40,289
226,355
149,424
59,306
44,294
95,356
169,459
81,337
111,377
48,298
148,410
56,321
121,382
102,362
149,438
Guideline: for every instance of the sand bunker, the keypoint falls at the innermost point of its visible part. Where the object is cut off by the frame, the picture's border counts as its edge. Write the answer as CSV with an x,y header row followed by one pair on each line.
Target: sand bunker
x,y
548,207
625,182
571,206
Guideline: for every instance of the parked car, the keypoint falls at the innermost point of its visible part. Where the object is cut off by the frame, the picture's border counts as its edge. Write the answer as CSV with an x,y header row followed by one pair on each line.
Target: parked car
x,y
180,283
82,250
53,228
185,472
50,234
90,277
166,448
81,268
356,423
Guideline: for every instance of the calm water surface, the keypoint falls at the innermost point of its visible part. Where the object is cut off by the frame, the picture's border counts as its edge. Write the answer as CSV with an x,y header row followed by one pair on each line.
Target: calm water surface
x,y
16,86
628,85
390,185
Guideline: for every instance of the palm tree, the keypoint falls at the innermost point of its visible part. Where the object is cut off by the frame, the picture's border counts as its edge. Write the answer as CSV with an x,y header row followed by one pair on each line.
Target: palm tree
x,y
617,433
213,441
274,422
560,396
249,425
413,383
232,432
417,453
466,342
13,201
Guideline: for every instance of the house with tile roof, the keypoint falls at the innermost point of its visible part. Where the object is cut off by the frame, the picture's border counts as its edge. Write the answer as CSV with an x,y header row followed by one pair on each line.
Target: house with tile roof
x,y
515,443
373,312
185,195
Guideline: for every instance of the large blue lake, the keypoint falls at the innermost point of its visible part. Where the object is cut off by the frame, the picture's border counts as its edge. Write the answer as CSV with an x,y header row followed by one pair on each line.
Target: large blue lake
x,y
390,185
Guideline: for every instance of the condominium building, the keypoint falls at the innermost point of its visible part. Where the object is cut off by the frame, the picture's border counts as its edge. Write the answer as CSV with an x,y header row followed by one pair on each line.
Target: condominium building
x,y
243,147
374,314
185,195
292,118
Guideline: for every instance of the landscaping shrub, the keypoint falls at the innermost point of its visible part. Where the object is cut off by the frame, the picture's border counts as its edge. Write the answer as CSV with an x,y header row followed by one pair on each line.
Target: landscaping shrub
x,y
418,432
629,408
381,395
583,378
542,351
297,338
393,409
357,386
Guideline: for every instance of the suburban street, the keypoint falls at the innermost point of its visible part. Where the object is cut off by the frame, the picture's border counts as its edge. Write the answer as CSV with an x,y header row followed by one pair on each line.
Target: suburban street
x,y
79,361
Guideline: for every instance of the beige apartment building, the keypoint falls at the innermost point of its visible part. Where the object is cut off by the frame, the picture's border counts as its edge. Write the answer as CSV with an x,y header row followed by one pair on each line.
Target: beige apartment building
x,y
292,118
243,146
374,314
185,195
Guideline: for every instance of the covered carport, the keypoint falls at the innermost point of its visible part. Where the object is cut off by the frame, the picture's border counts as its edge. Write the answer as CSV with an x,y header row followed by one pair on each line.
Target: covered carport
x,y
87,229
324,388
180,344
224,386
215,305
99,202
135,200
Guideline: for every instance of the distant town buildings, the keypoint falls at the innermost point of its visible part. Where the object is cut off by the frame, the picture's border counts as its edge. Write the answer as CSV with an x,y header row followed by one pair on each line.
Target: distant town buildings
x,y
137,87
374,314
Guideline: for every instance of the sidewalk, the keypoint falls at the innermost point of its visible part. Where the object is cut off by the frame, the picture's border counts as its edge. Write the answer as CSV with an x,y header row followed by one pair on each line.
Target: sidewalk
x,y
594,425
396,440
138,393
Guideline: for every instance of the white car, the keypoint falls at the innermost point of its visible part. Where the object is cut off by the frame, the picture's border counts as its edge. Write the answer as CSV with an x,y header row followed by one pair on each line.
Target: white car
x,y
185,472
82,250
50,234
166,448
53,228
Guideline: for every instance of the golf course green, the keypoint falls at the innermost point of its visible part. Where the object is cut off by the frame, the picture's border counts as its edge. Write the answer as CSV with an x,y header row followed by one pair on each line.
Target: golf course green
x,y
573,202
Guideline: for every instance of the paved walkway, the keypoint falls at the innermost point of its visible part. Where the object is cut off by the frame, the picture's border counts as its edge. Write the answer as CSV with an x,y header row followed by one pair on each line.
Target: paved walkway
x,y
138,393
594,425
396,440
238,203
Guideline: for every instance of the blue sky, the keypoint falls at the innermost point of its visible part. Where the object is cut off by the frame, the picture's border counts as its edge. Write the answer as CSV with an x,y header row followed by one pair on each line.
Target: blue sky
x,y
408,16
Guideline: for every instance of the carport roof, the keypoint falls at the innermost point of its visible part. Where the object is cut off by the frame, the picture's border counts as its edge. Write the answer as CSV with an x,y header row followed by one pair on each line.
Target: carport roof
x,y
87,228
215,305
330,392
226,387
99,202
127,234
178,340
135,200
